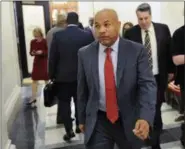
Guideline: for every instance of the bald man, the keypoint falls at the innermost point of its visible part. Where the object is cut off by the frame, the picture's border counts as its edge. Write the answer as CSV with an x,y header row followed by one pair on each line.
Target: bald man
x,y
116,88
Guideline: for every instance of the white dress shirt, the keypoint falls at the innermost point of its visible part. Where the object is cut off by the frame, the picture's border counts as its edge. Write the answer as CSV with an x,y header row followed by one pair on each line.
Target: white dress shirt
x,y
153,42
102,57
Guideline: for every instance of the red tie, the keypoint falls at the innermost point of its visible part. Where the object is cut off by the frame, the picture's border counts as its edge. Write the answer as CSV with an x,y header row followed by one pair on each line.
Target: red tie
x,y
110,88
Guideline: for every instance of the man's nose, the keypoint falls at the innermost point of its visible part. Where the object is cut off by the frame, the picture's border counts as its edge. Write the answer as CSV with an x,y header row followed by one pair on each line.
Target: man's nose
x,y
102,29
144,21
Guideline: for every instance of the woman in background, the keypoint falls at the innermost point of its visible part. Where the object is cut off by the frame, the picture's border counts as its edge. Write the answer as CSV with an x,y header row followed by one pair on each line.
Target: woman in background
x,y
126,26
38,49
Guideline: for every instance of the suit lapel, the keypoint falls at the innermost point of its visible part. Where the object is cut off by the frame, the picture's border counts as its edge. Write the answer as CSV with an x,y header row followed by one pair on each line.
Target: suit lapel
x,y
157,35
94,64
122,58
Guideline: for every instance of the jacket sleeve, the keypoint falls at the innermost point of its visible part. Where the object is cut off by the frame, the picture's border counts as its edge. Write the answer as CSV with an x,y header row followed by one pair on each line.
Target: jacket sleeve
x,y
53,58
170,65
31,48
45,49
147,91
82,90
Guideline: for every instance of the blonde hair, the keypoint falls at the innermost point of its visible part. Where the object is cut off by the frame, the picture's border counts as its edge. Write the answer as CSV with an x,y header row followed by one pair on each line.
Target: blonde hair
x,y
38,30
61,19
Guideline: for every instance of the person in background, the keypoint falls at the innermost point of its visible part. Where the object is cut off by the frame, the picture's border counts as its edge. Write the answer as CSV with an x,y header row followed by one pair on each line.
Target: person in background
x,y
157,40
126,26
179,60
63,62
90,27
38,49
91,22
80,25
60,24
116,88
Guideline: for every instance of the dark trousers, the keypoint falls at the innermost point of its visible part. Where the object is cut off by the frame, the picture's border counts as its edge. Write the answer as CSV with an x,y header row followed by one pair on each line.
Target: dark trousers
x,y
183,105
65,91
59,119
106,134
158,124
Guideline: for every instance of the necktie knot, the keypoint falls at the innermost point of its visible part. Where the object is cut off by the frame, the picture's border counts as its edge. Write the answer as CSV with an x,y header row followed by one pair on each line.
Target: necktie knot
x,y
146,31
108,51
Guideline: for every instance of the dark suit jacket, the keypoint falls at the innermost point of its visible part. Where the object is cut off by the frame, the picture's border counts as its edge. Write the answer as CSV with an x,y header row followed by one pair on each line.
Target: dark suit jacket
x,y
88,29
136,87
163,38
178,49
63,60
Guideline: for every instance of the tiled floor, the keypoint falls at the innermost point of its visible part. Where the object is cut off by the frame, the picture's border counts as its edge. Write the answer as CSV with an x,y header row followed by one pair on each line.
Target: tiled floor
x,y
28,131
53,135
37,129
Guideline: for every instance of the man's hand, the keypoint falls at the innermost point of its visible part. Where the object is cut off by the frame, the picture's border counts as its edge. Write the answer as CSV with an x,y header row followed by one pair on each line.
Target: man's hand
x,y
82,128
141,129
170,77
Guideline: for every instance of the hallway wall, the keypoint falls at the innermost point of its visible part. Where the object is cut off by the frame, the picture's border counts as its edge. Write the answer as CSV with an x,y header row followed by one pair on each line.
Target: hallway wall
x,y
127,10
170,13
10,71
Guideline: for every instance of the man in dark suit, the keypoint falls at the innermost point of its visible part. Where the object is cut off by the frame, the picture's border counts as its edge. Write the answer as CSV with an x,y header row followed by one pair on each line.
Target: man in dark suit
x,y
90,27
156,38
91,22
116,88
178,59
80,25
63,62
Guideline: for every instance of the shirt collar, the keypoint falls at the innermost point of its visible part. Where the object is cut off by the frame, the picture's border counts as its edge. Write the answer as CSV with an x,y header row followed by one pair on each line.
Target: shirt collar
x,y
114,47
72,25
150,29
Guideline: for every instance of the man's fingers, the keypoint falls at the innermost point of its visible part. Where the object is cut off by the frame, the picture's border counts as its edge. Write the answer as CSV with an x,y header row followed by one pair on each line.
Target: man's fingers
x,y
82,128
141,130
137,126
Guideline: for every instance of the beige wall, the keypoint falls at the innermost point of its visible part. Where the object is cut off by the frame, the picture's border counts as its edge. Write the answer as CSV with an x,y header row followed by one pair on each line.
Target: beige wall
x,y
10,71
172,14
169,13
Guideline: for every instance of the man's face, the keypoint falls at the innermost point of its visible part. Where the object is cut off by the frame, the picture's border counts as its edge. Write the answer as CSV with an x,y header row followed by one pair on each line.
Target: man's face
x,y
106,28
144,19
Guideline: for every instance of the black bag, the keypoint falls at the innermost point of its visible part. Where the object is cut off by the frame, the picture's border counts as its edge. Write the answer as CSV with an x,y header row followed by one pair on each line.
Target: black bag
x,y
50,98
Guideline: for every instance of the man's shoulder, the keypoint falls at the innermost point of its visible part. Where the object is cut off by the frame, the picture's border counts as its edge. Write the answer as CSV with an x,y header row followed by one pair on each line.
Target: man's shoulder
x,y
54,29
179,31
84,31
161,25
87,27
134,28
59,32
131,44
132,31
88,48
86,35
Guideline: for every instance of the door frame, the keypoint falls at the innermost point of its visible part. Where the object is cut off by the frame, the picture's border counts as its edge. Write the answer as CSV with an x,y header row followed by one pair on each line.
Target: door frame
x,y
21,33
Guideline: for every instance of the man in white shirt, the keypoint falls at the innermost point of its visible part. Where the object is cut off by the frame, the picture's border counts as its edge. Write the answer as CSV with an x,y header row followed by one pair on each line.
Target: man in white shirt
x,y
156,38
